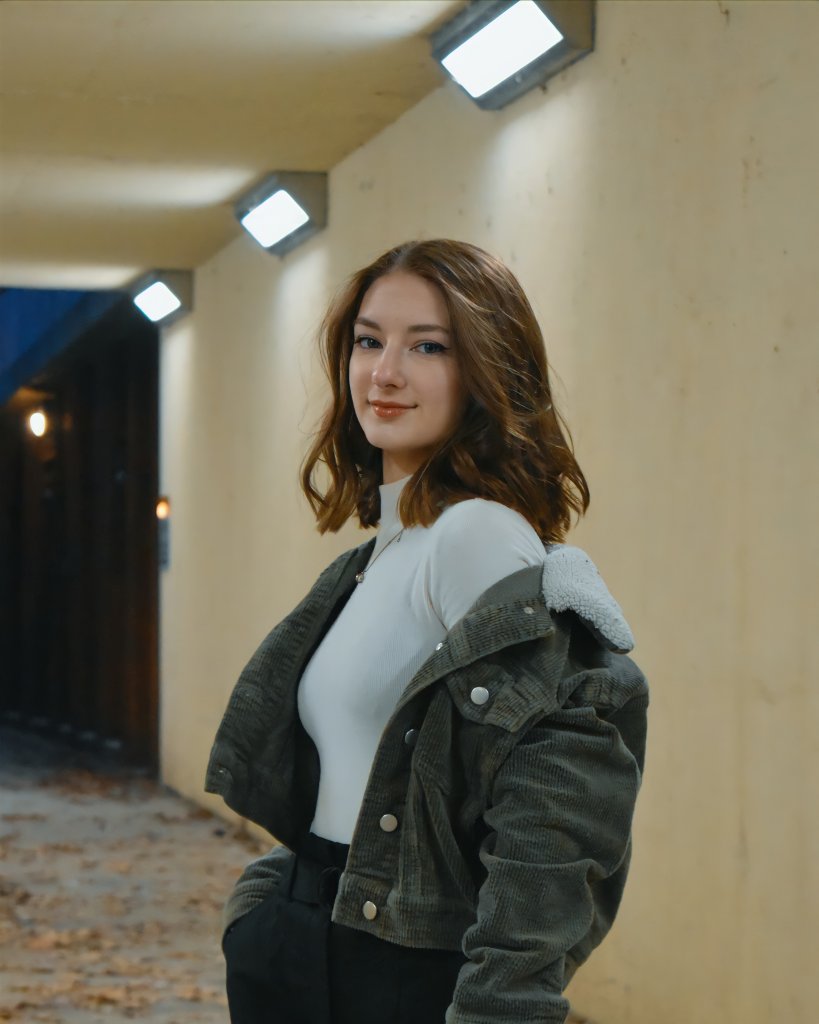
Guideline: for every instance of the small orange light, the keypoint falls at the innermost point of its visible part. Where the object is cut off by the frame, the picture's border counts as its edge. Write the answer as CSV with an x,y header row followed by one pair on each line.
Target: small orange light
x,y
163,509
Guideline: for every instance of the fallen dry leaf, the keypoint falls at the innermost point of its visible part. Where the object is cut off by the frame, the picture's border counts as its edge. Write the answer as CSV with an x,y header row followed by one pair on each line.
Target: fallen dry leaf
x,y
120,867
72,938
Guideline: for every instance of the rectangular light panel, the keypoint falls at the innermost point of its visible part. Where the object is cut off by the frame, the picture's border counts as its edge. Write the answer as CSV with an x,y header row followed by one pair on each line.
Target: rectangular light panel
x,y
157,302
275,218
502,48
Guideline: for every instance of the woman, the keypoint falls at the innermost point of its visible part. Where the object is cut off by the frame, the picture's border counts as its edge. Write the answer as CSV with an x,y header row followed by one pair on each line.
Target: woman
x,y
445,736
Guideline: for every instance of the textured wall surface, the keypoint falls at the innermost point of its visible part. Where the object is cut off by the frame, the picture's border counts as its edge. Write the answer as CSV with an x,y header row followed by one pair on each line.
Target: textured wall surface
x,y
659,205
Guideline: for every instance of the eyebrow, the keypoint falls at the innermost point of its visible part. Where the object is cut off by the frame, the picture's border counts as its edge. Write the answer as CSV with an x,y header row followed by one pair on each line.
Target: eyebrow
x,y
415,329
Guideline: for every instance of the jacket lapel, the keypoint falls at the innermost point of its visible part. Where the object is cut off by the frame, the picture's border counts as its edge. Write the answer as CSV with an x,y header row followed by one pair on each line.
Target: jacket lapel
x,y
496,620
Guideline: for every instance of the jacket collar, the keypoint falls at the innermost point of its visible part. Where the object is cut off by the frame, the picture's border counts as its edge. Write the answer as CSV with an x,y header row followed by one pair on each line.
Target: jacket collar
x,y
516,609
571,582
568,580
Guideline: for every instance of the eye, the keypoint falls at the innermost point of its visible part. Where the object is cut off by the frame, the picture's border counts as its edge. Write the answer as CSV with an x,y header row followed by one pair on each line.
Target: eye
x,y
430,348
365,341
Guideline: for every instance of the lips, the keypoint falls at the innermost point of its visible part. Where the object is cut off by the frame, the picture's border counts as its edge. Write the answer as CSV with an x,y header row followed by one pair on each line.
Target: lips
x,y
389,410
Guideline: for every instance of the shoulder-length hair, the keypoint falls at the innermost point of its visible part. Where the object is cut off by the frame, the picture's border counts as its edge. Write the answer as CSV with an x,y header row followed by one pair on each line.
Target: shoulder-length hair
x,y
511,445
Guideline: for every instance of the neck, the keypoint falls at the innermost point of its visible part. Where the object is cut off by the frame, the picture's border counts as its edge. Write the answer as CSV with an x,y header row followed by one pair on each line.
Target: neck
x,y
395,467
389,523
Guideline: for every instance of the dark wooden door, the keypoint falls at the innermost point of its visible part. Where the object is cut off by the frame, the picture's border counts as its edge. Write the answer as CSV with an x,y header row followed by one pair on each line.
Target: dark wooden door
x,y
78,539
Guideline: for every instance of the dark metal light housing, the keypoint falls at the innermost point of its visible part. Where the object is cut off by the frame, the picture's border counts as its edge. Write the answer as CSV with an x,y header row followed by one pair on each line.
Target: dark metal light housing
x,y
565,26
284,209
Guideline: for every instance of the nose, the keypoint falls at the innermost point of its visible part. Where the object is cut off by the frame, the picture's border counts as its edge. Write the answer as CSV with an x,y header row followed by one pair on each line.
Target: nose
x,y
387,371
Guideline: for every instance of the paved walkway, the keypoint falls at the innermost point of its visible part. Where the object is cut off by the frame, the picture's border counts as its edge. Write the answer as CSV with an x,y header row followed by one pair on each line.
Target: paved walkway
x,y
110,893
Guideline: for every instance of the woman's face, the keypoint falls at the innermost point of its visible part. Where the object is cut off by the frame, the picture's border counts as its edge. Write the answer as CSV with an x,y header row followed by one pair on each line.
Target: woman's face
x,y
404,377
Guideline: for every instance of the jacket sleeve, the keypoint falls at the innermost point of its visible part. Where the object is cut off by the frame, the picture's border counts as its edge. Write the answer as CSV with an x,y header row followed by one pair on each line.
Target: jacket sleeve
x,y
259,879
556,856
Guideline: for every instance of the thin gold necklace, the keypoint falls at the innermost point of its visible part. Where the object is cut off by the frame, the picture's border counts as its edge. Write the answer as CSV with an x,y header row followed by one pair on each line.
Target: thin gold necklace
x,y
359,578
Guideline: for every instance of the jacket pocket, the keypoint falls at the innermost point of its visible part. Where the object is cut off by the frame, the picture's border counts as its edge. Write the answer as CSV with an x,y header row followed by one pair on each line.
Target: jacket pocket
x,y
433,865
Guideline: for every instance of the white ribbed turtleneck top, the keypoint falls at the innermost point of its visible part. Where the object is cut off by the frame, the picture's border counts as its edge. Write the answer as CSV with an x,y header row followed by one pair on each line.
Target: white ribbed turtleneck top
x,y
415,589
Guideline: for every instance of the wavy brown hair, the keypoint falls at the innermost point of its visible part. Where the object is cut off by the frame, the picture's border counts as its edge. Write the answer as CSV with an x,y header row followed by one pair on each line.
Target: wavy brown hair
x,y
511,445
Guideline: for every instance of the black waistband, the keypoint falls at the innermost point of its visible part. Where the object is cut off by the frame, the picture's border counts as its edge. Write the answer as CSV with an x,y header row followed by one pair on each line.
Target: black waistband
x,y
316,870
323,851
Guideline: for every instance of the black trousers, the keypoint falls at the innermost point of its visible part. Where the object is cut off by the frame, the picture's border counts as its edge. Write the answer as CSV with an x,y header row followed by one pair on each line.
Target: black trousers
x,y
287,963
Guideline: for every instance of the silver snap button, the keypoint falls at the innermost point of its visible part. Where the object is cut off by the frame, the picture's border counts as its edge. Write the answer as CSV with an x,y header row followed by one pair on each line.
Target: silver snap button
x,y
370,910
388,822
411,737
479,695
439,646
529,610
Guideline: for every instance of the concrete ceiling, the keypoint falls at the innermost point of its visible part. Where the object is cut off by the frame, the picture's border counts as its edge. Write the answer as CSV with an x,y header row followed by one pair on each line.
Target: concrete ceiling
x,y
129,127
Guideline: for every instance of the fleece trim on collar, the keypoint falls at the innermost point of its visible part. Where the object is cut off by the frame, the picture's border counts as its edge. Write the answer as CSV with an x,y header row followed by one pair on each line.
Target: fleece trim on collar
x,y
571,581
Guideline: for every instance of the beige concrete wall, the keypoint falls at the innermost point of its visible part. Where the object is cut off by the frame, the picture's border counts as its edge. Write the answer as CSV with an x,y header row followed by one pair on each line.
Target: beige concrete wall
x,y
659,204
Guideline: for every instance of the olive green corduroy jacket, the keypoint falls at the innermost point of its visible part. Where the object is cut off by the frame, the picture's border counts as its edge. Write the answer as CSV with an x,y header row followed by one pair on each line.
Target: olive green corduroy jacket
x,y
512,763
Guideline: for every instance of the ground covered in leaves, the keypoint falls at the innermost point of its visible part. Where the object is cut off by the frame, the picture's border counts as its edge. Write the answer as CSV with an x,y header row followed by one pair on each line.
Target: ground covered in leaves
x,y
111,890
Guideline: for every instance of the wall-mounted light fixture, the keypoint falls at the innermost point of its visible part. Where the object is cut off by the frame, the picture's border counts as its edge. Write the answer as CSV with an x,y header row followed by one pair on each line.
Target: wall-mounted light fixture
x,y
163,523
38,423
163,295
284,209
497,50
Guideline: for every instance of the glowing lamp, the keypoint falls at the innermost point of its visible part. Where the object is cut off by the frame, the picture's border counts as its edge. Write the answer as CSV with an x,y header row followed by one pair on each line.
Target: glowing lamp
x,y
285,209
497,50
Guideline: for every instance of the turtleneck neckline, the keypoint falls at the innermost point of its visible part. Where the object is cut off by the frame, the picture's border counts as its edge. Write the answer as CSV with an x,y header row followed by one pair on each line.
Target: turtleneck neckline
x,y
390,524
